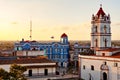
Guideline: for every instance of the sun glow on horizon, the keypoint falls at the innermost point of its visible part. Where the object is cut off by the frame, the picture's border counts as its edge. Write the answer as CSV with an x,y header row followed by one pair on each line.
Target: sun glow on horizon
x,y
53,18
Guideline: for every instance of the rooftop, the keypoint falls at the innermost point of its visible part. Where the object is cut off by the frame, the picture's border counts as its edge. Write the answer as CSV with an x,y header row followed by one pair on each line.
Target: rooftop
x,y
109,49
116,55
100,12
26,61
63,35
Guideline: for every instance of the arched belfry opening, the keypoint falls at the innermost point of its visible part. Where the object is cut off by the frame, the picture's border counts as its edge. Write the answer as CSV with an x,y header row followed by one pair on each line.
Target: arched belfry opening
x,y
96,30
96,43
105,29
105,42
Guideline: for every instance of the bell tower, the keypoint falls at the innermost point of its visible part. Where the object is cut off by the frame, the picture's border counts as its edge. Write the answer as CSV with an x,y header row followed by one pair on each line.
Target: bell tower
x,y
100,30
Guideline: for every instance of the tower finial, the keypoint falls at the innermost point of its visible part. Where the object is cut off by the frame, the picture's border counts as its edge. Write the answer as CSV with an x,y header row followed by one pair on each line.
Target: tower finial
x,y
101,5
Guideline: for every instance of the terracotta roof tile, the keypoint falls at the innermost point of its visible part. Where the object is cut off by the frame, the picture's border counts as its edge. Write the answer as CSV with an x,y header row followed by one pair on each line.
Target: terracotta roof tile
x,y
110,49
116,55
63,35
40,66
100,12
26,61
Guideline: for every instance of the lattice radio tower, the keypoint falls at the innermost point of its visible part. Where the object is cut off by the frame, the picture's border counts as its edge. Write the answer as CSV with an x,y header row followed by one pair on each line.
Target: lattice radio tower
x,y
31,30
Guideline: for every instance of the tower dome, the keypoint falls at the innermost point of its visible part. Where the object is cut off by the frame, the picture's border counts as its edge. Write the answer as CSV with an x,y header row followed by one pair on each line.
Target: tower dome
x,y
100,12
63,35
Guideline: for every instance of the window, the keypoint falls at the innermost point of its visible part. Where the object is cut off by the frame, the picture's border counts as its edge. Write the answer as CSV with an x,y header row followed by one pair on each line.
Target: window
x,y
50,50
50,56
96,29
83,66
105,63
17,48
115,64
96,41
92,67
61,56
105,29
103,54
82,49
30,72
53,56
26,53
105,42
45,72
64,56
61,50
56,50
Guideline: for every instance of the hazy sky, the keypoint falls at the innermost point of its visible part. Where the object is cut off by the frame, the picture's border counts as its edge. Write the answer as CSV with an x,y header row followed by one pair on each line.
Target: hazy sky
x,y
54,17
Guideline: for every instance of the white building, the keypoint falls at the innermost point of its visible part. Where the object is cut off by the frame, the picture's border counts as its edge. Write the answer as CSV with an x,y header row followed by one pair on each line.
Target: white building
x,y
99,67
29,53
104,64
35,66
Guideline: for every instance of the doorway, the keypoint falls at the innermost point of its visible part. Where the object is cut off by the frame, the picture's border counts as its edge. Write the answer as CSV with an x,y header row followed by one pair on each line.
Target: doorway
x,y
45,72
104,76
30,73
61,64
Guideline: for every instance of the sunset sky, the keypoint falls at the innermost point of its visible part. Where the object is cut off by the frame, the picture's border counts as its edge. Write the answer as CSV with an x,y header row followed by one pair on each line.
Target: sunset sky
x,y
54,17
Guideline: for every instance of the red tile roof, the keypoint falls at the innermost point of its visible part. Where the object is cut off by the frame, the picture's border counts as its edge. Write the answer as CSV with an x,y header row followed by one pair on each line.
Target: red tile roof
x,y
40,66
110,49
26,61
63,35
100,12
116,55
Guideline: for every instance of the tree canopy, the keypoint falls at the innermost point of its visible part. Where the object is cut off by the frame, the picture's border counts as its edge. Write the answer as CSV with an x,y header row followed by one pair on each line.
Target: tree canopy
x,y
15,73
4,74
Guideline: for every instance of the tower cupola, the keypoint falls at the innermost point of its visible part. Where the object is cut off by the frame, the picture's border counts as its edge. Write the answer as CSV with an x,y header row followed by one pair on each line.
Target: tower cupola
x,y
101,16
64,38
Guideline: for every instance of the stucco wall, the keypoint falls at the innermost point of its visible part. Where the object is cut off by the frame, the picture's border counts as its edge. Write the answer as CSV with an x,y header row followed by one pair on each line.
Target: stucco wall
x,y
97,73
35,71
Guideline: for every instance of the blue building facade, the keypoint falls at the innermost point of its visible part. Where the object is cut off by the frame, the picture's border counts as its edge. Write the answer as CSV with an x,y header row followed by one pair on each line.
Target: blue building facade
x,y
56,51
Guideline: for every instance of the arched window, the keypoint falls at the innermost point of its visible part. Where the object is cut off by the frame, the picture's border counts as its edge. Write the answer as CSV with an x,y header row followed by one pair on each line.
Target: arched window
x,y
83,66
96,29
92,67
109,29
105,42
96,43
105,29
115,64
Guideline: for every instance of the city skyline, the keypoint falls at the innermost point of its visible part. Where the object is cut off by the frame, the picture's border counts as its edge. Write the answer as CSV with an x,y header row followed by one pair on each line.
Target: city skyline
x,y
53,18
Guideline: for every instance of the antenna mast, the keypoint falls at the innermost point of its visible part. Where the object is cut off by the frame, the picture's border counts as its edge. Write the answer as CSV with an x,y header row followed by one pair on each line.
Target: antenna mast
x,y
31,30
